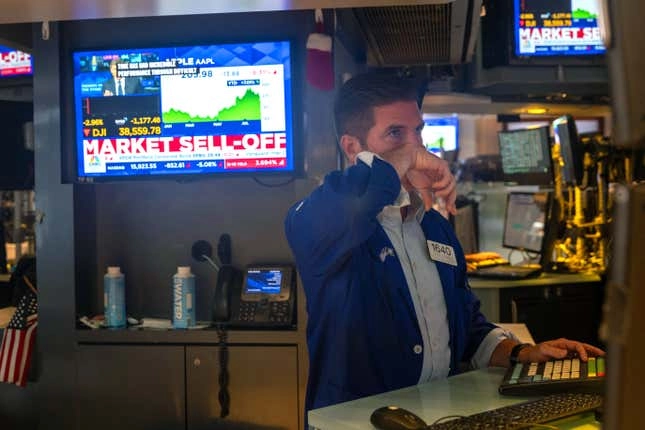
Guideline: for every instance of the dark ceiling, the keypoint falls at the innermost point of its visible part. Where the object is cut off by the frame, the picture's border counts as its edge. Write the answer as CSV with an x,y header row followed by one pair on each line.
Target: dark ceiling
x,y
435,42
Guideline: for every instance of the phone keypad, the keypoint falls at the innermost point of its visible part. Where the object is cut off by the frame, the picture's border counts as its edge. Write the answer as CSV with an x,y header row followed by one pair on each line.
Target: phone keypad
x,y
273,312
247,311
279,312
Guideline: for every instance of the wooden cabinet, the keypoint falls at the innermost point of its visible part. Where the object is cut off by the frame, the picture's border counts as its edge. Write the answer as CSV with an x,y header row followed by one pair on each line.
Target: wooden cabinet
x,y
262,386
170,387
136,386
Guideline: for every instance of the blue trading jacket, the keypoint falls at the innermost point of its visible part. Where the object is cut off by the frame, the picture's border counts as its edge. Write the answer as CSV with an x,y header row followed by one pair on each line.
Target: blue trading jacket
x,y
362,327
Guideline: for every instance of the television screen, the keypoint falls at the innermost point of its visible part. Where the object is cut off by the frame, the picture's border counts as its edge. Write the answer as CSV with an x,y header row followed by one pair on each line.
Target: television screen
x,y
14,63
183,111
525,220
556,28
526,156
440,134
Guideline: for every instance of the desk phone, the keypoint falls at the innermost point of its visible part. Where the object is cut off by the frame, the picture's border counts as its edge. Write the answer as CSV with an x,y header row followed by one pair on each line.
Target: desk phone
x,y
266,299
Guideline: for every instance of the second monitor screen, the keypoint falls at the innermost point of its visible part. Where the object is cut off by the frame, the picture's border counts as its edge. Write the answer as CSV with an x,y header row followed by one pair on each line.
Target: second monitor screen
x,y
526,156
524,226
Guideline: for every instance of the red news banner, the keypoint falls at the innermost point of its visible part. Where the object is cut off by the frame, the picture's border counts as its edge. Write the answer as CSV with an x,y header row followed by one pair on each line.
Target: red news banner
x,y
14,63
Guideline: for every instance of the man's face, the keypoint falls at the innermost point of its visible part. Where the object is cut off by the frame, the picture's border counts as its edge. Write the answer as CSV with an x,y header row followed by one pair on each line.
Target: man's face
x,y
396,124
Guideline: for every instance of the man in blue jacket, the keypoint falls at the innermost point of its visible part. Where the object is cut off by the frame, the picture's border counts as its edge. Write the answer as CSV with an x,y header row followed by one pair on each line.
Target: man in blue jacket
x,y
388,299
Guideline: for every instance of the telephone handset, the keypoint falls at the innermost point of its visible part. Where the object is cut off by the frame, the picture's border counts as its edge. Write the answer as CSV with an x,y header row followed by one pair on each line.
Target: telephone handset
x,y
225,279
223,291
226,274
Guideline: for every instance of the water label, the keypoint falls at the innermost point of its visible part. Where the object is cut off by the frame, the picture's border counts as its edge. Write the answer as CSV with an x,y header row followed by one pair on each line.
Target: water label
x,y
183,297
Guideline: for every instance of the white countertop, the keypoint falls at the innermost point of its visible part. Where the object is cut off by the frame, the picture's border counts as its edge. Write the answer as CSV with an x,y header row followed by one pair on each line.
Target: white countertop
x,y
464,394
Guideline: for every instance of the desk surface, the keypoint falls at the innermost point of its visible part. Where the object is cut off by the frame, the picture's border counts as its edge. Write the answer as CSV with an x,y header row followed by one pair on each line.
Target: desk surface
x,y
464,394
543,280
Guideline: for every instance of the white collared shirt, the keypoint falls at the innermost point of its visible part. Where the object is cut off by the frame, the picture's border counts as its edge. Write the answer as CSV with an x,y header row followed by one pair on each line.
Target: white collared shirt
x,y
424,285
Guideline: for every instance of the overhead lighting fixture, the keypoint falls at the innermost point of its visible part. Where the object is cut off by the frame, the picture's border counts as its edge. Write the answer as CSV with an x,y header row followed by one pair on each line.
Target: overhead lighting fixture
x,y
536,110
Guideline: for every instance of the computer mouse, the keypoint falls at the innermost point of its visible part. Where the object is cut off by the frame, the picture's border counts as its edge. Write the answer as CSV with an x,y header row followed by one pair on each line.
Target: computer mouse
x,y
395,418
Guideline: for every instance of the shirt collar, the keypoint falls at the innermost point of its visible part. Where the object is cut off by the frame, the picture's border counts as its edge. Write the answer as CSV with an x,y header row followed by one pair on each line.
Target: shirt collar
x,y
393,212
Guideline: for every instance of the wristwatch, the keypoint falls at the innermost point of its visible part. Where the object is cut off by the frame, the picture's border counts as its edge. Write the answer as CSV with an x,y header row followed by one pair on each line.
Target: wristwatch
x,y
515,352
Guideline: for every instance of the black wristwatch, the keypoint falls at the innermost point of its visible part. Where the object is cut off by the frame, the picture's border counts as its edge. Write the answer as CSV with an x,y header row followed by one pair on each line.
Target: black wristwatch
x,y
516,351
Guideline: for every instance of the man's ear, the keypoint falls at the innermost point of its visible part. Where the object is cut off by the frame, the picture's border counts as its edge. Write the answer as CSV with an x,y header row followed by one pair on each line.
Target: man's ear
x,y
351,147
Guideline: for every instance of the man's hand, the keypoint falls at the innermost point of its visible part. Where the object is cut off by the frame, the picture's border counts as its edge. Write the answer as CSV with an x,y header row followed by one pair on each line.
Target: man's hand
x,y
431,177
426,173
544,351
558,349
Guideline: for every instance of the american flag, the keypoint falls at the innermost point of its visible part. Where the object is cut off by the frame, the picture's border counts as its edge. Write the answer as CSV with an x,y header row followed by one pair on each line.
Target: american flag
x,y
18,341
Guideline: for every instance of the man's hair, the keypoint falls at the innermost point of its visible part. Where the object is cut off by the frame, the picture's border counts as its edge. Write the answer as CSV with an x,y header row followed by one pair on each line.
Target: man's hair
x,y
357,98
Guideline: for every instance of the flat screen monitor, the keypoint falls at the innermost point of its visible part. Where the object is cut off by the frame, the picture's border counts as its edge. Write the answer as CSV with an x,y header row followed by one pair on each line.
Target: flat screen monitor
x,y
549,28
526,220
526,156
465,223
14,63
566,137
184,111
441,135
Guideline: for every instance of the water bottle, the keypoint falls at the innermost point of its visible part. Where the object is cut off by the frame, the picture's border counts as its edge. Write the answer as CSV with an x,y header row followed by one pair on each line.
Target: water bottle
x,y
114,297
183,298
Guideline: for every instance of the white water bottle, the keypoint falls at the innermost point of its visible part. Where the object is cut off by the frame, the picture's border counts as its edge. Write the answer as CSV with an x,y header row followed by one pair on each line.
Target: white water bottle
x,y
114,297
183,298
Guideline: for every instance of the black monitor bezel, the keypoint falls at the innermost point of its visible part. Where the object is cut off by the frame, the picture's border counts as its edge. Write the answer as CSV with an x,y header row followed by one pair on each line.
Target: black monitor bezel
x,y
570,59
529,178
69,156
572,153
500,14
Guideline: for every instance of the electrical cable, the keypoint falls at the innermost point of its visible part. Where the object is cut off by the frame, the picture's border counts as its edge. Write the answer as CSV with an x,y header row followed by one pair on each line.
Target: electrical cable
x,y
224,396
211,262
281,184
438,420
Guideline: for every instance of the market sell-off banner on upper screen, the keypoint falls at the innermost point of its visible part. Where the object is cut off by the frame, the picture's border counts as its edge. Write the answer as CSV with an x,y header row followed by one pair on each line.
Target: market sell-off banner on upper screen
x,y
557,28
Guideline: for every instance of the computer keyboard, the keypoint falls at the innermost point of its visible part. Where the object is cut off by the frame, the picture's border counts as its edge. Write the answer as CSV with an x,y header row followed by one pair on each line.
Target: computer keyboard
x,y
507,271
555,376
522,415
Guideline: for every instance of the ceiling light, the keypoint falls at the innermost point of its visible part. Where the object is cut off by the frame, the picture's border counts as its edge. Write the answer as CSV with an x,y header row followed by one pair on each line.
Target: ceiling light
x,y
536,110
